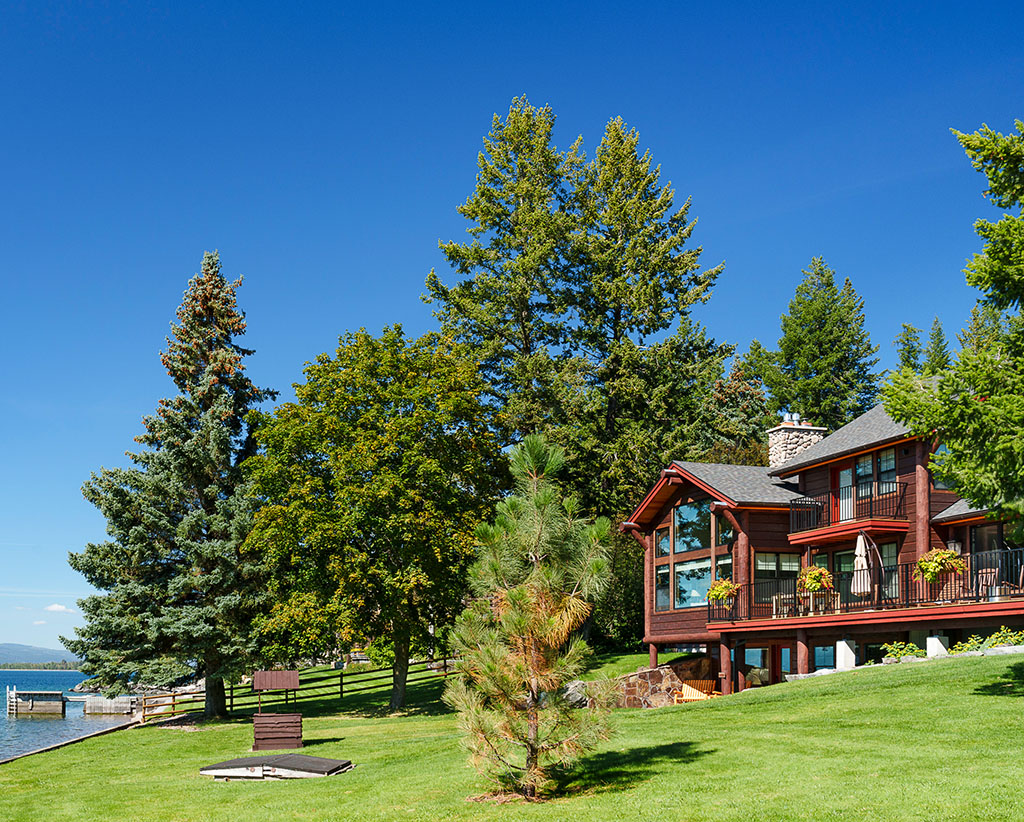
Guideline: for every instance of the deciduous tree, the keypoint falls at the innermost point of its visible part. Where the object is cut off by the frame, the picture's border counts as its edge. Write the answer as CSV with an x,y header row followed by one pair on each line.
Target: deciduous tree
x,y
373,482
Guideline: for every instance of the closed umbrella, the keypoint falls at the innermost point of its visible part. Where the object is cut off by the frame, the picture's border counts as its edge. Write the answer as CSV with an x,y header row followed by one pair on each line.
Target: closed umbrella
x,y
861,584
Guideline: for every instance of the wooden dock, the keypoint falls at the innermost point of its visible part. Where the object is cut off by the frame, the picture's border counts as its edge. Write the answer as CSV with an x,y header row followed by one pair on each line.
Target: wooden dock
x,y
36,702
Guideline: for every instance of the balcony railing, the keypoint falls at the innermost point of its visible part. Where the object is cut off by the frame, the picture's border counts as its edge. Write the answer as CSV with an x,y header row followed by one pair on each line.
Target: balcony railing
x,y
866,500
991,576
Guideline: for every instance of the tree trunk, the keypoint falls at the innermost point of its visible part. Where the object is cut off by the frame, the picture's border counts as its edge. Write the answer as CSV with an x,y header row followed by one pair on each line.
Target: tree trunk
x,y
399,673
216,701
532,734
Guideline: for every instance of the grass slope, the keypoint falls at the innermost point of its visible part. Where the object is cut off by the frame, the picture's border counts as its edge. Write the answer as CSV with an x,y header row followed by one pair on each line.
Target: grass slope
x,y
929,741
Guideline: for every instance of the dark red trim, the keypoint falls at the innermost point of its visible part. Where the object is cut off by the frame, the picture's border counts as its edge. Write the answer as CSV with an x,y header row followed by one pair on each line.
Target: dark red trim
x,y
850,528
928,613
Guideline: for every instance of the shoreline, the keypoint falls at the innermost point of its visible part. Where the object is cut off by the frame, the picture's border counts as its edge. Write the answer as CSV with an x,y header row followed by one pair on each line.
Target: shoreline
x,y
123,726
48,670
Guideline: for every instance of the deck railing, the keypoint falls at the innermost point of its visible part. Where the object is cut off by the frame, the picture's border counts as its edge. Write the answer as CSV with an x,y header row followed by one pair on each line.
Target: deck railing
x,y
850,503
990,576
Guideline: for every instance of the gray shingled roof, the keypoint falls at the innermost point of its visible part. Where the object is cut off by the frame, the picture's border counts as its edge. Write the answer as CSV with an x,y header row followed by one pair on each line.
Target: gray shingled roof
x,y
873,427
960,508
745,484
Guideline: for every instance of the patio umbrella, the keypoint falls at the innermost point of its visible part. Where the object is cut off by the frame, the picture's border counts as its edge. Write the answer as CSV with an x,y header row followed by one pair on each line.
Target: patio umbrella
x,y
861,584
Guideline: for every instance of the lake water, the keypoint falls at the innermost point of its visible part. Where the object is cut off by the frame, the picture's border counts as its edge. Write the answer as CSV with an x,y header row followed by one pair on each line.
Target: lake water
x,y
23,733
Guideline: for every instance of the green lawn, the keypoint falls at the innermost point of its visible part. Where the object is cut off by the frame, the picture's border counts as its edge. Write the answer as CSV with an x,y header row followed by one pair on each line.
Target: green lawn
x,y
929,741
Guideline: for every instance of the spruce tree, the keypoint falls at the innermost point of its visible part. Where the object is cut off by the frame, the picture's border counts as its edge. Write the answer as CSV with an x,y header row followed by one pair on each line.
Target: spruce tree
x,y
179,596
824,368
976,407
908,347
936,354
540,565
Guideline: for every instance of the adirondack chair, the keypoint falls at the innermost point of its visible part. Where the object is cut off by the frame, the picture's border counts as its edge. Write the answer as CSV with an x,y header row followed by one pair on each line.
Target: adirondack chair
x,y
695,690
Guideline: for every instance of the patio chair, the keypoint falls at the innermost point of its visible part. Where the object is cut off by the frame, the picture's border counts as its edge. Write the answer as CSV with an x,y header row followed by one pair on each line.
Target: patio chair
x,y
783,605
695,690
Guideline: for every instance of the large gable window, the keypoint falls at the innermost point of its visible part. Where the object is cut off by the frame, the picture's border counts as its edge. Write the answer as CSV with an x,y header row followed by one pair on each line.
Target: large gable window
x,y
691,522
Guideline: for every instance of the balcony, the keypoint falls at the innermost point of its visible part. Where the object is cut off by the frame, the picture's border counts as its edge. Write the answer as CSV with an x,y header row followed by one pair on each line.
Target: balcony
x,y
848,506
991,576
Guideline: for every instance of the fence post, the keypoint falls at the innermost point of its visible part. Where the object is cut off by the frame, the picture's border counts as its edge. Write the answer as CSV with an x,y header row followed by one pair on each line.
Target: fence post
x,y
341,684
231,697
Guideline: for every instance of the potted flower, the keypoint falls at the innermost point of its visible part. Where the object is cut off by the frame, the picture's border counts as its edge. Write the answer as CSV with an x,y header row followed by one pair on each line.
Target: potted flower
x,y
815,583
936,562
722,590
813,579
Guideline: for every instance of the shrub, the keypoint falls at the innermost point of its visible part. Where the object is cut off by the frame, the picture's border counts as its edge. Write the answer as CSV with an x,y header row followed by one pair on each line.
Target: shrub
x,y
902,649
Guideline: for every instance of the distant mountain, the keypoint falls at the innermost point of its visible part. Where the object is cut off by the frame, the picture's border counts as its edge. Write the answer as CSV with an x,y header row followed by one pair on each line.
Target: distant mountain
x,y
12,652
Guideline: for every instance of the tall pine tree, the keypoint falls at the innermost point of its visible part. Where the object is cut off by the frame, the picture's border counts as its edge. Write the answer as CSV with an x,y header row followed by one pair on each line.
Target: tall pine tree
x,y
824,367
908,347
976,406
509,304
936,353
179,596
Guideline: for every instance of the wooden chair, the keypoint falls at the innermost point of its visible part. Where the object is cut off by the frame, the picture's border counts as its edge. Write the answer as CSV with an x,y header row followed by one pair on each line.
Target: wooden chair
x,y
783,605
695,690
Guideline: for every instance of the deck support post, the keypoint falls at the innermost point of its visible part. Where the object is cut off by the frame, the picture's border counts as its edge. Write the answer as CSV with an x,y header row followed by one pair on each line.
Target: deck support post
x,y
652,659
803,656
725,664
741,653
922,502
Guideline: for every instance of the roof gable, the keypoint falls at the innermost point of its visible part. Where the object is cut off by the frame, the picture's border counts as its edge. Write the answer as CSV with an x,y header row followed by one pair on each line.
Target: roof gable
x,y
873,427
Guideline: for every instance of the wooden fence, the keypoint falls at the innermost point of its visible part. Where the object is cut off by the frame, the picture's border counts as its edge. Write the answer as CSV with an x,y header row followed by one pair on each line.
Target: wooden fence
x,y
317,685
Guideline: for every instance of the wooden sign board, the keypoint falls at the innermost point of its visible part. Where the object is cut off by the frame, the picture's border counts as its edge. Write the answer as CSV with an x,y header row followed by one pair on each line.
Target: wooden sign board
x,y
275,680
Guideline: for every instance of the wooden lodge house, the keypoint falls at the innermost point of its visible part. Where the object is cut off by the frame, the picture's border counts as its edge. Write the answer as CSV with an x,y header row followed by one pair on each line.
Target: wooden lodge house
x,y
760,525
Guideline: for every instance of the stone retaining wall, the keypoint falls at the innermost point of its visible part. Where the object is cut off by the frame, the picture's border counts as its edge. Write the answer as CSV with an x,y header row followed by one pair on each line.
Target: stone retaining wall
x,y
653,687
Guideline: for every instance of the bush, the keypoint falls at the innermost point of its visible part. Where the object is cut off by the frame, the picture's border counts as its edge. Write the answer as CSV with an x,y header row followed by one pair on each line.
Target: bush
x,y
1004,636
902,649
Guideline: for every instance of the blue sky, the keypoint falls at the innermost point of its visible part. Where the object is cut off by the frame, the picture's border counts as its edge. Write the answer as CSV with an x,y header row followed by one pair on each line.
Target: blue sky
x,y
323,147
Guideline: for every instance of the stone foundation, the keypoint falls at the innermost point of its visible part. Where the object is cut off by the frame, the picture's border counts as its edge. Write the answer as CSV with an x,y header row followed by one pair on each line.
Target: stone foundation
x,y
653,687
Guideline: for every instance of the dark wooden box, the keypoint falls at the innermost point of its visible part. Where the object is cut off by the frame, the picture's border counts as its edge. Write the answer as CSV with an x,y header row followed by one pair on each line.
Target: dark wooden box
x,y
275,732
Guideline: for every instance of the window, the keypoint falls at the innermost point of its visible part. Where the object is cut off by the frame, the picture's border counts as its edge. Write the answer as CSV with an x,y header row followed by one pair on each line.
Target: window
x,y
887,471
821,560
723,567
985,538
692,521
724,530
662,545
661,588
692,580
776,566
824,656
864,470
890,552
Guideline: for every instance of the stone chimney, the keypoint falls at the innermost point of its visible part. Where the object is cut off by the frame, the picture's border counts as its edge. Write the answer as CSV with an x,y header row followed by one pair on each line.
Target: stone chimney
x,y
787,440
